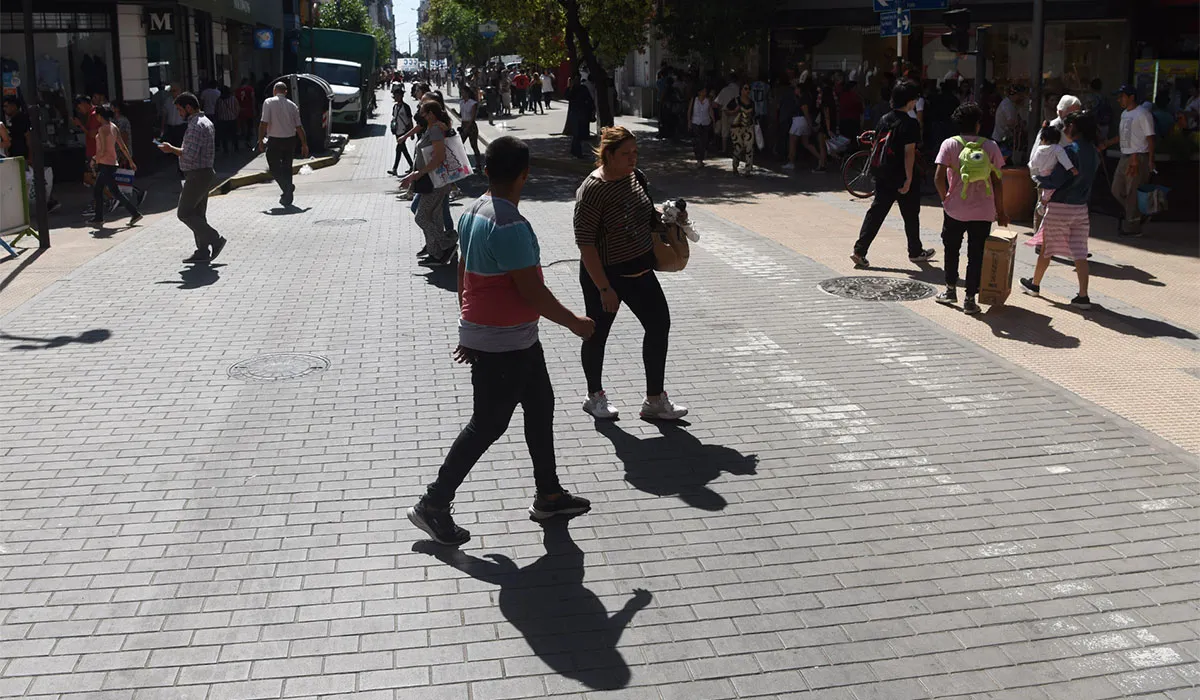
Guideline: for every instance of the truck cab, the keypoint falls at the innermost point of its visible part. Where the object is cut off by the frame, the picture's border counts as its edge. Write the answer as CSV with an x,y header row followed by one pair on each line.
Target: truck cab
x,y
348,83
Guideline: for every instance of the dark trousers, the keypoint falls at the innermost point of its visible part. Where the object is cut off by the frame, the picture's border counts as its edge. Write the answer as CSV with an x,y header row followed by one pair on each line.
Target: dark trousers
x,y
644,297
501,382
952,237
910,209
402,150
701,136
521,97
280,153
535,99
106,176
227,137
193,207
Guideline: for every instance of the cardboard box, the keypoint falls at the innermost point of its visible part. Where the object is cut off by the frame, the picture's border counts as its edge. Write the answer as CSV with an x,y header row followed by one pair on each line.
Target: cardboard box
x,y
999,258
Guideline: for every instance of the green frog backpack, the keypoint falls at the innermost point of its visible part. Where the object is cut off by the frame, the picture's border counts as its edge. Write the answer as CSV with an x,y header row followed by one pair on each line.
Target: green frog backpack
x,y
974,165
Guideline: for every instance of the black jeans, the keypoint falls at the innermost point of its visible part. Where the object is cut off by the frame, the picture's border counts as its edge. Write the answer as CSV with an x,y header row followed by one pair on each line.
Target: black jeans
x,y
952,237
910,209
280,153
106,176
644,297
501,381
402,150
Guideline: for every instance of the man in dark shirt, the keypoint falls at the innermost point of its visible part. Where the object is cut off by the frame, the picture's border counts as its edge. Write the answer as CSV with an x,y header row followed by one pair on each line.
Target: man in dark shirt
x,y
896,150
18,128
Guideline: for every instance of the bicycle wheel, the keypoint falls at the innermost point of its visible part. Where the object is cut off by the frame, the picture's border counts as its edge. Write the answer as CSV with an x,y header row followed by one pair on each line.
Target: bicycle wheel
x,y
856,174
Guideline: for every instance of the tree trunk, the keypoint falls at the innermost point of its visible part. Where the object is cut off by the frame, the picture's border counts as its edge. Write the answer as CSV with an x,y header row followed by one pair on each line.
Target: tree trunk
x,y
596,71
573,60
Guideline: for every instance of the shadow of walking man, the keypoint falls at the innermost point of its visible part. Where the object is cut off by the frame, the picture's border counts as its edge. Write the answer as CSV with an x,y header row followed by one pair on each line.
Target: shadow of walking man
x,y
564,623
96,335
677,464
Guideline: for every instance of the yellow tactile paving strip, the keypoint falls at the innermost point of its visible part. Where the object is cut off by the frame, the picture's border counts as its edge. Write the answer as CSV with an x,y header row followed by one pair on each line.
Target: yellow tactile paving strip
x,y
1097,355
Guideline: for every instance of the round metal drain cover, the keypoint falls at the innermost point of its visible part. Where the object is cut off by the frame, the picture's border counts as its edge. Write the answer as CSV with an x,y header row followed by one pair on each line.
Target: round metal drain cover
x,y
877,288
277,367
337,222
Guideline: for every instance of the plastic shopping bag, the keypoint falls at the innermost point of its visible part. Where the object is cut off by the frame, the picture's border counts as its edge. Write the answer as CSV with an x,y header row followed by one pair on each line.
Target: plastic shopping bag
x,y
1152,199
456,166
759,141
124,178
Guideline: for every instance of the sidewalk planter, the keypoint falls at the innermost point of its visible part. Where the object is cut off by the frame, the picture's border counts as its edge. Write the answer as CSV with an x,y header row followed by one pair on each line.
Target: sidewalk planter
x,y
1019,193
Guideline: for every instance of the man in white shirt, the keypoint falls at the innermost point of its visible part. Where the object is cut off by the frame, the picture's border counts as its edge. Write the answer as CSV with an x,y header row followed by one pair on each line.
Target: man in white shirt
x,y
727,94
280,127
209,98
1008,117
1136,137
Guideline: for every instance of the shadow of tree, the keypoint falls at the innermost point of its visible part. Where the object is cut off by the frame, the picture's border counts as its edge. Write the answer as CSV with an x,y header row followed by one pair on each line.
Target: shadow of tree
x,y
1016,323
563,622
91,337
676,463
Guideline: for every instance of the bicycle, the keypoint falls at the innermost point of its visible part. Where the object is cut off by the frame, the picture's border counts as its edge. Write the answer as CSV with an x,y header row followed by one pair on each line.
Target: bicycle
x,y
856,169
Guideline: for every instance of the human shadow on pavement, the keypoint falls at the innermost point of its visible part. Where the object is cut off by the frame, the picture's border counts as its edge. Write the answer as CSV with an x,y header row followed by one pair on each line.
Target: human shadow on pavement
x,y
96,335
1129,325
1016,323
677,464
563,622
196,276
1120,272
924,272
286,210
445,278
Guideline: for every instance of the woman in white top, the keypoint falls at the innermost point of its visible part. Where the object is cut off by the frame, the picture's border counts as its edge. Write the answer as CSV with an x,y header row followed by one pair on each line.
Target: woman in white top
x,y
700,117
547,88
467,111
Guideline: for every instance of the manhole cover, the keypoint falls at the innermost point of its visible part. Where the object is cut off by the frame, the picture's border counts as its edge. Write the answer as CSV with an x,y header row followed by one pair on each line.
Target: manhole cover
x,y
337,222
878,288
273,368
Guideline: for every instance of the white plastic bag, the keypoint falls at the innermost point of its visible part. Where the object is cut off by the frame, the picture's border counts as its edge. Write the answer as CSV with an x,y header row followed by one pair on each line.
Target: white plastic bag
x,y
759,141
124,178
456,166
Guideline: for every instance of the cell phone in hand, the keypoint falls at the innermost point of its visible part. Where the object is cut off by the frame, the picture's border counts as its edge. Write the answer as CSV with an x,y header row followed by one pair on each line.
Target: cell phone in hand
x,y
158,142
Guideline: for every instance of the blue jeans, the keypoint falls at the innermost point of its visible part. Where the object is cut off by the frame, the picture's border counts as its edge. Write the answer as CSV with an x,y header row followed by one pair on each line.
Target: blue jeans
x,y
449,220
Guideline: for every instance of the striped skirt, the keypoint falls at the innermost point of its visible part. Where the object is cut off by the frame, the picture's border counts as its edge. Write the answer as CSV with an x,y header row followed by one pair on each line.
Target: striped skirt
x,y
1064,231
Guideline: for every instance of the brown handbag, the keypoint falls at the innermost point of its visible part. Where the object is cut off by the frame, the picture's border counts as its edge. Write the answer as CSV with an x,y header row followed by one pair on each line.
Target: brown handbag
x,y
671,247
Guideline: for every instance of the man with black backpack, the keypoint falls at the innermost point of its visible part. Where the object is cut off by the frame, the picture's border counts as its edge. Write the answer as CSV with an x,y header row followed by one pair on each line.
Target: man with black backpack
x,y
893,161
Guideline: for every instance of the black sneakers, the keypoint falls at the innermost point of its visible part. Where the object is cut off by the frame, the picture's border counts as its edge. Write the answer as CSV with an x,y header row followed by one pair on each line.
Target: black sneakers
x,y
200,256
970,307
1029,287
950,296
860,261
438,524
923,256
218,247
545,507
1081,302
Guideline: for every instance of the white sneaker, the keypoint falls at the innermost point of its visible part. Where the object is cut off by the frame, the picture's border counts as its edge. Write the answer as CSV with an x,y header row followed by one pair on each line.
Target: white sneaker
x,y
597,404
662,408
789,166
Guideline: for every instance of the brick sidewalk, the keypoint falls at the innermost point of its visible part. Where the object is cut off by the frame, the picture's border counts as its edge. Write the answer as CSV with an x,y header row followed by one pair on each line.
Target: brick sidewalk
x,y
863,505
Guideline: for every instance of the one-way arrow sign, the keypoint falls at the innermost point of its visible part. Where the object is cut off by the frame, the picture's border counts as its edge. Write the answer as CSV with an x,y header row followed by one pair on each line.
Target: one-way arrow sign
x,y
895,23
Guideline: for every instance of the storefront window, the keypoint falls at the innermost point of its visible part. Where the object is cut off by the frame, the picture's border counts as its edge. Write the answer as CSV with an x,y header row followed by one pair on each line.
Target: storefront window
x,y
75,61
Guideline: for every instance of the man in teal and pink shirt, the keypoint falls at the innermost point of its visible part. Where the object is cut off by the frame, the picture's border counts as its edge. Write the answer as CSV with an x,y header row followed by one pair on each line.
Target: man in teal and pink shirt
x,y
502,296
968,211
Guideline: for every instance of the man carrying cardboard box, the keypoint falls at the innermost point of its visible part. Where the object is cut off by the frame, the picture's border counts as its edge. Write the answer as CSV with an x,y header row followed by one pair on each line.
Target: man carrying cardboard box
x,y
968,181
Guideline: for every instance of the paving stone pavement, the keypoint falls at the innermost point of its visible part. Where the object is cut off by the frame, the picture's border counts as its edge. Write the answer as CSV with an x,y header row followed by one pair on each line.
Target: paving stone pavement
x,y
860,505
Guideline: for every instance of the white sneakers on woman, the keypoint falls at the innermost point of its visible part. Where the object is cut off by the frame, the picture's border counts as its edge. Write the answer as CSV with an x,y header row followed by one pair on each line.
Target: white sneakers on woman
x,y
658,408
597,404
662,408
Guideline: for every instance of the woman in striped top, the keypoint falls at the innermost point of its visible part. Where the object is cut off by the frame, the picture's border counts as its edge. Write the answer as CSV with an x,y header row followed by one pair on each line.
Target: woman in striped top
x,y
614,219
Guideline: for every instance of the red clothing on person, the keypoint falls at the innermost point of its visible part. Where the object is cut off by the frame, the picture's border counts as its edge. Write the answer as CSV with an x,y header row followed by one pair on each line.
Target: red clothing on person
x,y
850,106
90,128
245,98
521,82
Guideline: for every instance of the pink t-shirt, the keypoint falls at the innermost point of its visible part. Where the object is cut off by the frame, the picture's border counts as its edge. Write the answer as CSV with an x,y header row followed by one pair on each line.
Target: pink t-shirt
x,y
979,204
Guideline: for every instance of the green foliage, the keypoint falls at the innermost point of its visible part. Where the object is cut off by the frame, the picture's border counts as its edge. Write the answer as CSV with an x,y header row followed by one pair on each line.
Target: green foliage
x,y
617,27
458,21
352,16
714,30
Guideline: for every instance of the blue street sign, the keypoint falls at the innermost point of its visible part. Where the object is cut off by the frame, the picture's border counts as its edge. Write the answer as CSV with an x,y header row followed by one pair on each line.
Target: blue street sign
x,y
887,5
893,23
926,4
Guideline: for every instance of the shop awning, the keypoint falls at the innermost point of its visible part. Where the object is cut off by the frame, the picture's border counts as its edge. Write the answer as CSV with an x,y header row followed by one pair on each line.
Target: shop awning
x,y
246,11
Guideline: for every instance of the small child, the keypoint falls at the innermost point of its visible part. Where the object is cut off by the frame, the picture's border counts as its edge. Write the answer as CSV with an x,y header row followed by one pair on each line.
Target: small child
x,y
1049,152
